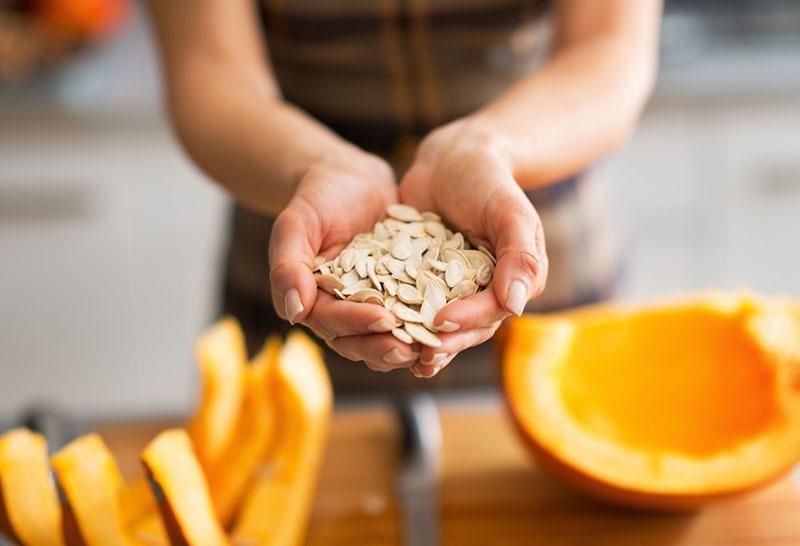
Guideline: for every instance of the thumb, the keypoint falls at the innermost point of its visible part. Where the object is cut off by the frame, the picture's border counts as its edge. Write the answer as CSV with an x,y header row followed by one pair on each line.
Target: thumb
x,y
516,232
292,249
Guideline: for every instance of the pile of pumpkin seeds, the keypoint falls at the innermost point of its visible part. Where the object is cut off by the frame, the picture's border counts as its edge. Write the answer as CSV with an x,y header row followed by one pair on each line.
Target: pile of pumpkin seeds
x,y
410,263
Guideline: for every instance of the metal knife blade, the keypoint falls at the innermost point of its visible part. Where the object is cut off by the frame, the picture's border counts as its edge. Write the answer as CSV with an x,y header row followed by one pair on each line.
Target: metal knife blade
x,y
418,478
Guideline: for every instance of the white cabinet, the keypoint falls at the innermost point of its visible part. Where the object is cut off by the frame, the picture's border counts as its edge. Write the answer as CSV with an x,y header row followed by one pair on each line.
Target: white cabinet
x,y
707,195
109,245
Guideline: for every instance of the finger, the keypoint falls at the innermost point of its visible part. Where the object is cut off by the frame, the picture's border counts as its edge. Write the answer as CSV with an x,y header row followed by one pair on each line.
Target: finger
x,y
331,318
426,371
477,311
454,343
381,352
292,249
516,232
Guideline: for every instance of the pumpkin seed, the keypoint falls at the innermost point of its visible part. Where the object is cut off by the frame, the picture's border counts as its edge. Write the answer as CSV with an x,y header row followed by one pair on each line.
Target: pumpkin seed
x,y
404,213
454,273
361,284
402,248
423,335
402,335
405,313
408,294
367,295
347,259
330,282
412,265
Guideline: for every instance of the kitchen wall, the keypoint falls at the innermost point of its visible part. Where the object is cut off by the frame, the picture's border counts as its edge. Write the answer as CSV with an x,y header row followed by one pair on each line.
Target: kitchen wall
x,y
110,239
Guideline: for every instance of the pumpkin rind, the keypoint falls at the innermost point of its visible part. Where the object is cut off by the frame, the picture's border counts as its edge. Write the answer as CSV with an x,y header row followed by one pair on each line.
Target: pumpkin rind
x,y
29,509
278,506
93,488
222,358
230,475
656,468
185,500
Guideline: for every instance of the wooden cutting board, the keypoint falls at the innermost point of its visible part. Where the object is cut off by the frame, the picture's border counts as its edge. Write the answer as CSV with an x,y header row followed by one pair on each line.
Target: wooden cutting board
x,y
492,492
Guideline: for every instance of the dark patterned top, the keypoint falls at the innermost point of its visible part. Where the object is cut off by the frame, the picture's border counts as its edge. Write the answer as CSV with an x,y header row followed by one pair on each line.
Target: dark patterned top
x,y
382,73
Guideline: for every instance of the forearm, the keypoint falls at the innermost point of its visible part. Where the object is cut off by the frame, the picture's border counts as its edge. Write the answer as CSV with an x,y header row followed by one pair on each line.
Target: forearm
x,y
581,105
226,107
257,146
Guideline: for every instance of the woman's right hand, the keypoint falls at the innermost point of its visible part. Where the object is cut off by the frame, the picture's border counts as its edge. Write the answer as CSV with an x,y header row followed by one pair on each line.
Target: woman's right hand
x,y
335,200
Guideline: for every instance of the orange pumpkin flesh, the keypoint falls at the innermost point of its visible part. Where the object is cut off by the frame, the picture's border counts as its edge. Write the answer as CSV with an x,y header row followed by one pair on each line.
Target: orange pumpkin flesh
x,y
663,407
93,488
230,475
222,357
265,469
186,506
278,505
29,509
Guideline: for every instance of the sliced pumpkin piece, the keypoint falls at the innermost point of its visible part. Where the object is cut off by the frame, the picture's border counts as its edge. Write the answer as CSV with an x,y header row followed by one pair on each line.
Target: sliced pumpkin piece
x,y
29,509
277,508
230,475
222,358
93,489
665,406
184,498
138,501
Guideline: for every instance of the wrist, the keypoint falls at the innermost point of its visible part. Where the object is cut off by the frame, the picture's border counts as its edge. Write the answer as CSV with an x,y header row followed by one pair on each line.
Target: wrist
x,y
471,135
343,157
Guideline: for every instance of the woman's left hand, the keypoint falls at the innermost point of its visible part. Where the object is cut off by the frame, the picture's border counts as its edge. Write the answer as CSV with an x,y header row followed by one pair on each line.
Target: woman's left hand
x,y
463,175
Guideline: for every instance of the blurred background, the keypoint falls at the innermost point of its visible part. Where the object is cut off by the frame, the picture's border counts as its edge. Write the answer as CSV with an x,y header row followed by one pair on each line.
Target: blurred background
x,y
110,240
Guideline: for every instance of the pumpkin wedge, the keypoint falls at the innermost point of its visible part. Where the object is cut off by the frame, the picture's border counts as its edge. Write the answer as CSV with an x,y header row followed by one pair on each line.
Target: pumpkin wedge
x,y
222,357
230,475
666,406
222,360
277,508
138,501
93,489
180,485
29,509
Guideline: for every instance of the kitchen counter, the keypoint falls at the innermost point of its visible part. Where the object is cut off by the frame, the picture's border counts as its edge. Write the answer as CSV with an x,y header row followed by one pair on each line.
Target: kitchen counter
x,y
491,491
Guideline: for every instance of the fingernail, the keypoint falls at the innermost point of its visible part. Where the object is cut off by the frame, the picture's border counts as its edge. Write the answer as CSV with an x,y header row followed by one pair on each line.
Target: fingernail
x,y
517,297
395,356
415,372
447,326
292,304
437,357
380,325
428,371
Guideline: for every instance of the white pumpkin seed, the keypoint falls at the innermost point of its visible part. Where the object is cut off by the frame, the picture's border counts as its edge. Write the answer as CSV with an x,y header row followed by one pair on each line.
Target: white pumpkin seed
x,y
329,282
362,284
347,259
484,274
402,249
405,313
435,230
435,296
351,277
404,213
389,284
454,273
462,290
402,335
421,334
408,294
361,266
367,295
488,254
